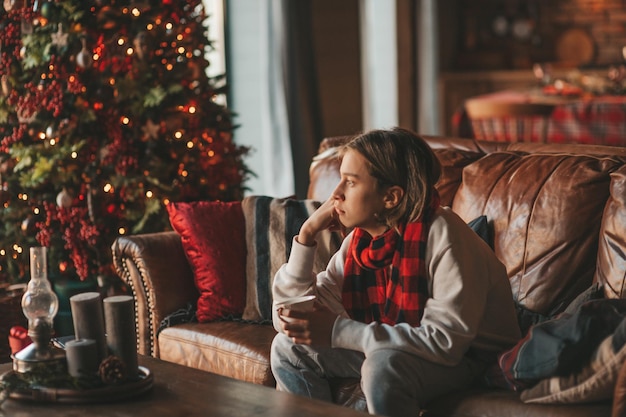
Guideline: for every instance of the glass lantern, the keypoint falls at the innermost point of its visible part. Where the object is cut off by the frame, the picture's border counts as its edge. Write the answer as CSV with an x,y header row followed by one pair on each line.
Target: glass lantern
x,y
40,305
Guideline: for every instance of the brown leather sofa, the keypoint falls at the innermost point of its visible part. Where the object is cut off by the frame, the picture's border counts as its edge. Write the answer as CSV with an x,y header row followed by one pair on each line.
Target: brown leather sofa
x,y
558,216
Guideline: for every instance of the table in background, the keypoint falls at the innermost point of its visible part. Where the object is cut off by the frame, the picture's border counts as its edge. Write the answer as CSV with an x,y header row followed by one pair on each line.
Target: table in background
x,y
181,391
599,120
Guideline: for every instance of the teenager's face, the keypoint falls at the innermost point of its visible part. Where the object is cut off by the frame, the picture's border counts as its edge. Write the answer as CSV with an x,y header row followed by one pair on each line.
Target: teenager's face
x,y
357,199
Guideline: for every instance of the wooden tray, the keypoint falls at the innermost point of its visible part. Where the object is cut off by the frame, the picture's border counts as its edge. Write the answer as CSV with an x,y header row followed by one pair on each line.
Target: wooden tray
x,y
96,395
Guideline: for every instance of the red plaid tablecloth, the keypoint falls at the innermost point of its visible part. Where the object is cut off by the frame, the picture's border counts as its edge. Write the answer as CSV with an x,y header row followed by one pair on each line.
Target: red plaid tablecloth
x,y
599,120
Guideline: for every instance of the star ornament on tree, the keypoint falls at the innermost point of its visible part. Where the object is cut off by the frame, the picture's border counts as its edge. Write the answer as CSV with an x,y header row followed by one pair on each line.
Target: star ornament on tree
x,y
59,38
150,130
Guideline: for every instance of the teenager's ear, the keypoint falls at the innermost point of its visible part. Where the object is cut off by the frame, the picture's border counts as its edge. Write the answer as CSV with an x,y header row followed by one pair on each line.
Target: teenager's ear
x,y
393,196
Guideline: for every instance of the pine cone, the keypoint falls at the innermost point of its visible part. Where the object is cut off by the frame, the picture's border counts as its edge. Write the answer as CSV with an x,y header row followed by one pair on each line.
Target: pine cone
x,y
112,371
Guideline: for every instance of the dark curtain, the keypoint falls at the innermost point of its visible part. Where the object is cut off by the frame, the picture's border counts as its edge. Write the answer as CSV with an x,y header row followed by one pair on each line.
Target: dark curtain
x,y
301,89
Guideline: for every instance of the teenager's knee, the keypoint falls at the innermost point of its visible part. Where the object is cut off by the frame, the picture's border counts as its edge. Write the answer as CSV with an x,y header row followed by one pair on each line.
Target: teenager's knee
x,y
385,364
386,383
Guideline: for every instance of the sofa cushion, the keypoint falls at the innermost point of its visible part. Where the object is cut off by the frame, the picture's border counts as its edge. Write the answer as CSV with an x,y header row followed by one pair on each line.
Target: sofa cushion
x,y
546,211
595,382
481,402
230,348
611,269
271,224
475,402
453,161
213,238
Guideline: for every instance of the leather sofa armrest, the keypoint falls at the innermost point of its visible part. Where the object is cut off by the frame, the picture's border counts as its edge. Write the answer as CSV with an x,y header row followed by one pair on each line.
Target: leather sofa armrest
x,y
160,278
619,395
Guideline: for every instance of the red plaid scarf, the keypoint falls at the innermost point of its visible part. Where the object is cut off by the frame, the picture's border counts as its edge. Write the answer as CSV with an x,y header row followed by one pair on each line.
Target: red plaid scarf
x,y
385,277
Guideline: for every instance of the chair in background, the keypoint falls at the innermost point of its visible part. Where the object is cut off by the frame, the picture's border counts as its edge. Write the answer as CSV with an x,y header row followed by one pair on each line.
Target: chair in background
x,y
509,122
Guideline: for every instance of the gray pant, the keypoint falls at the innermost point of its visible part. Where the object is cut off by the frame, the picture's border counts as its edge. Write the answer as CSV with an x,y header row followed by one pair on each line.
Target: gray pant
x,y
394,383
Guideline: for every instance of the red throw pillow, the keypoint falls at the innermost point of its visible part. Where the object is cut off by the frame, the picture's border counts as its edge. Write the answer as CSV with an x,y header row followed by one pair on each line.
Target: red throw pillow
x,y
213,237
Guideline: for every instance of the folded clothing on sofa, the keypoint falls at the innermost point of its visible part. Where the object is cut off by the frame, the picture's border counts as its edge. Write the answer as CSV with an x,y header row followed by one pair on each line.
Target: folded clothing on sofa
x,y
574,357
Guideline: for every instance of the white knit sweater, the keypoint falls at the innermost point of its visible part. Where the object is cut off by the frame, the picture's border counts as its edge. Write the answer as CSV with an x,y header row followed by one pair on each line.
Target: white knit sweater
x,y
470,302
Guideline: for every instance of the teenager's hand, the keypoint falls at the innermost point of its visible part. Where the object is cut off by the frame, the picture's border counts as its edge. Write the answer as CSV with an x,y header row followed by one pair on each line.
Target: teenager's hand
x,y
325,217
313,328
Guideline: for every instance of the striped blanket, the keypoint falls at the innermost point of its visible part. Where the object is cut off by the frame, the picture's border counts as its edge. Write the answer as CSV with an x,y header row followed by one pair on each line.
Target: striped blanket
x,y
271,224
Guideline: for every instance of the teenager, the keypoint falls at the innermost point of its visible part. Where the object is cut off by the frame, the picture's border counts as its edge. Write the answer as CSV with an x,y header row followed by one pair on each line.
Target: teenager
x,y
414,303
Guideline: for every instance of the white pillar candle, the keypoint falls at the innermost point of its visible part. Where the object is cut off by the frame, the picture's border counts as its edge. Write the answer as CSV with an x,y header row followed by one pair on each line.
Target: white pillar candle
x,y
82,357
119,316
88,320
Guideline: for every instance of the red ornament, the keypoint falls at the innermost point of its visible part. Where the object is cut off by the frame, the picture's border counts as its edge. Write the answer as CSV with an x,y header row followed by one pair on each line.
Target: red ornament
x,y
18,338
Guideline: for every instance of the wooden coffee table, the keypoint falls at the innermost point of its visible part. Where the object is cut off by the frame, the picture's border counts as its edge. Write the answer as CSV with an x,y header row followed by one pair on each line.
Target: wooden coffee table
x,y
181,391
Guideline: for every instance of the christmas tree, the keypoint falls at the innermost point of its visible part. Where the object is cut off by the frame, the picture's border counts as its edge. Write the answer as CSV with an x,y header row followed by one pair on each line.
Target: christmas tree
x,y
106,116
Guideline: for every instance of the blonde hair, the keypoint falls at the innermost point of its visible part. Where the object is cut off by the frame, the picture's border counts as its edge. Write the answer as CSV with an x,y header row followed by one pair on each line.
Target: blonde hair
x,y
399,157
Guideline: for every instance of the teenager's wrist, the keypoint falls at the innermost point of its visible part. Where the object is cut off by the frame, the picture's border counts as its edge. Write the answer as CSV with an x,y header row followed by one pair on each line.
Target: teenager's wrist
x,y
305,239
